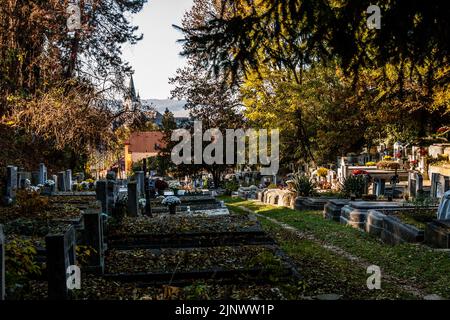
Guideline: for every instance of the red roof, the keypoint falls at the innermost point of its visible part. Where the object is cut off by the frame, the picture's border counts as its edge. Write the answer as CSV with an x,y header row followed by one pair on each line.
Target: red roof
x,y
145,142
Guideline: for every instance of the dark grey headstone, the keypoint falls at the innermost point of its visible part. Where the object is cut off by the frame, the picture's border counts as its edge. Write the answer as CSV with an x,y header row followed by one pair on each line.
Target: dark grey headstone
x,y
35,178
93,237
11,183
133,199
68,178
2,264
62,181
42,174
140,180
101,191
60,250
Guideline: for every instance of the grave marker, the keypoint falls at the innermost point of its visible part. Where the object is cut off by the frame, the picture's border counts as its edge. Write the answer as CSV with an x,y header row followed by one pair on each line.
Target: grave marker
x,y
68,181
60,249
2,264
42,174
62,181
11,183
133,199
101,191
93,237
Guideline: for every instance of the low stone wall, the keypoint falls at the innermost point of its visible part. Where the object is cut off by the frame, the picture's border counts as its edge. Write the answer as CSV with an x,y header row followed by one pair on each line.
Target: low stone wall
x,y
396,232
277,197
332,209
355,213
437,234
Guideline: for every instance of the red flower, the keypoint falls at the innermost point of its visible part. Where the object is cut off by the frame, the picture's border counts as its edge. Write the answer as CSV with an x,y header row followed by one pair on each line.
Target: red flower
x,y
442,129
359,172
413,162
398,155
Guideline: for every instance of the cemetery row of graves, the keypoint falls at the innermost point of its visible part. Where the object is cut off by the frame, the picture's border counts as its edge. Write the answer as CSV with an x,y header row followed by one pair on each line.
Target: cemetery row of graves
x,y
150,239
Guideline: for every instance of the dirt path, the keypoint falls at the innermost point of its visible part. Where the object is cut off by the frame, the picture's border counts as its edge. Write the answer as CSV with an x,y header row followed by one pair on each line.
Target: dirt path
x,y
417,292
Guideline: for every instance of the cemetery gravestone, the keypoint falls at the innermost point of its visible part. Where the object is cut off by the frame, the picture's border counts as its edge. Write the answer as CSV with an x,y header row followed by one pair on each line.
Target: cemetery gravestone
x,y
68,178
101,191
11,183
133,199
42,173
60,249
55,178
93,237
62,181
2,264
140,176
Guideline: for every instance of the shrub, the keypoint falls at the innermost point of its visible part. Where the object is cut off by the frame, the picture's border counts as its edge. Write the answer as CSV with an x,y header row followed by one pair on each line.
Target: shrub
x,y
20,263
354,185
231,186
385,164
31,202
303,186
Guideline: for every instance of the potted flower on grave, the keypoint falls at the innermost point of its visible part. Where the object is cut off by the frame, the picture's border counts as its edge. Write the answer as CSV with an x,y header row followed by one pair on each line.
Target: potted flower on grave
x,y
171,202
175,186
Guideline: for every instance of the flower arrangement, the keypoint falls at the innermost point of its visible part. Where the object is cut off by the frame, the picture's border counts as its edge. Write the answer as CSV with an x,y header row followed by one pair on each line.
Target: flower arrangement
x,y
142,203
359,172
322,172
371,164
392,165
171,201
387,158
398,155
49,183
423,152
174,185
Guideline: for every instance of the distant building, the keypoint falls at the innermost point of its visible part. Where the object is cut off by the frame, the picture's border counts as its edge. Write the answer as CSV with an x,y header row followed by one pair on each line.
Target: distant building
x,y
142,145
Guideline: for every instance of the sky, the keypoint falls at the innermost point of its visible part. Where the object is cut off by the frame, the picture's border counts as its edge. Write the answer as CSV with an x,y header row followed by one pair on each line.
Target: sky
x,y
156,58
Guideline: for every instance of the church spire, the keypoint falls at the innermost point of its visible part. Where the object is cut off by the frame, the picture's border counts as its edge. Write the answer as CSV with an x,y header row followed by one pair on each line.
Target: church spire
x,y
132,90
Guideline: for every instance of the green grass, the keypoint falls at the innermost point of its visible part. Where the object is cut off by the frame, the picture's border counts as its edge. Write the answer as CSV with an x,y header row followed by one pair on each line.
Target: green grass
x,y
413,264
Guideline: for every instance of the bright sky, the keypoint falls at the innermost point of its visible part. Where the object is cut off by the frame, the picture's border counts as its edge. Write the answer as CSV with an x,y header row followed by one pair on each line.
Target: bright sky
x,y
156,58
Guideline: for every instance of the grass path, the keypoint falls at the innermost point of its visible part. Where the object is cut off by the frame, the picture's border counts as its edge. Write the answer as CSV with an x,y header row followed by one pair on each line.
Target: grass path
x,y
341,254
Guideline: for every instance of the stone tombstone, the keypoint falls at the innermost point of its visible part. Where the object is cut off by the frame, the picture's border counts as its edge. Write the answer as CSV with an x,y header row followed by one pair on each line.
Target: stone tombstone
x,y
112,192
68,178
35,178
22,176
442,186
133,199
415,183
2,264
101,191
444,207
55,178
93,237
11,183
62,181
140,180
60,250
111,175
42,174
